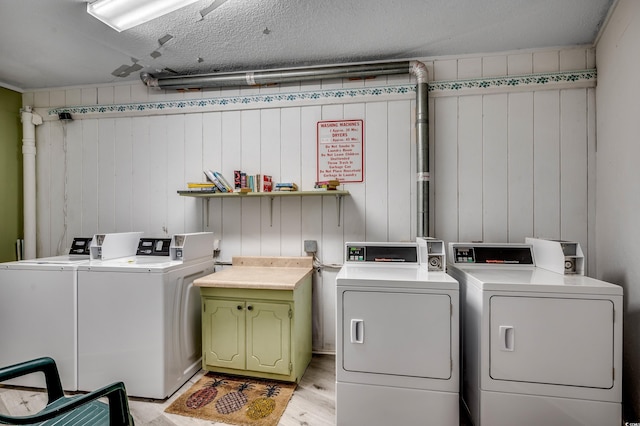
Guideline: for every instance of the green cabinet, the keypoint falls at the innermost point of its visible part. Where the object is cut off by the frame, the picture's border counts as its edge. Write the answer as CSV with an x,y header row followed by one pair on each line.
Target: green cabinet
x,y
248,334
257,332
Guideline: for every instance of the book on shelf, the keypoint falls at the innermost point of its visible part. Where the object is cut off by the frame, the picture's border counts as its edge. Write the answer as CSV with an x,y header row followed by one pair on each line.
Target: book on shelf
x,y
257,183
219,180
224,182
237,179
267,183
212,178
326,185
208,186
286,186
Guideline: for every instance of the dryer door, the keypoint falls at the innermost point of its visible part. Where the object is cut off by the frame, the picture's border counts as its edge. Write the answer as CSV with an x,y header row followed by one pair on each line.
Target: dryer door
x,y
407,334
559,341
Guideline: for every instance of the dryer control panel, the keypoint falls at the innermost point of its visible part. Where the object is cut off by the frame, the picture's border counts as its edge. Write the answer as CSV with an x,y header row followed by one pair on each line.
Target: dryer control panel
x,y
406,253
153,247
492,254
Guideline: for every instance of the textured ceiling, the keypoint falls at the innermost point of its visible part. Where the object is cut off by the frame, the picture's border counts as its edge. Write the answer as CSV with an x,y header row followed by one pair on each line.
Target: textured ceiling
x,y
55,43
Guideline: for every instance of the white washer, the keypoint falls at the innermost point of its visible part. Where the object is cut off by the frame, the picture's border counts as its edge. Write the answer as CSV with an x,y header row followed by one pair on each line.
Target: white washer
x,y
139,317
397,339
38,313
538,347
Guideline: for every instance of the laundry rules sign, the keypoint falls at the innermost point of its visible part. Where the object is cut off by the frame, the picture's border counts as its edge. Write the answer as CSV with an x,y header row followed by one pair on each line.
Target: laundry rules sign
x,y
340,150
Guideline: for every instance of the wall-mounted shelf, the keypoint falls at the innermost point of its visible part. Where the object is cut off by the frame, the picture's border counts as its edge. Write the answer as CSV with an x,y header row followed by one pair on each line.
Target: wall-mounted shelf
x,y
208,195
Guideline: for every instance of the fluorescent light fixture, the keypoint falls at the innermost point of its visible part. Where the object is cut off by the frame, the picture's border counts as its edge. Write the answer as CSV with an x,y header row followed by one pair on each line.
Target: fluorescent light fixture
x,y
124,14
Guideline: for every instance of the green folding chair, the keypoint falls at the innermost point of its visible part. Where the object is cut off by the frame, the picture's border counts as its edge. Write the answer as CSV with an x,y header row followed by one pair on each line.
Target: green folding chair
x,y
83,409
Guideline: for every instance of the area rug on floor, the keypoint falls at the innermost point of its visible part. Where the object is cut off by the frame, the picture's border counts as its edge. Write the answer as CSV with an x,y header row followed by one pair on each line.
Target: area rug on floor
x,y
235,400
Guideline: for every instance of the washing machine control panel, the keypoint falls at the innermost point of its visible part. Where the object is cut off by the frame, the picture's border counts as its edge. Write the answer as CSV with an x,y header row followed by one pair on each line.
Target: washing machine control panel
x,y
81,245
153,247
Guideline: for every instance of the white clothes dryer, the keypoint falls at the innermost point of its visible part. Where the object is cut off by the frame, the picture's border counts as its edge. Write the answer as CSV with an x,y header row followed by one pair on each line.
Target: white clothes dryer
x,y
38,313
139,317
397,339
538,347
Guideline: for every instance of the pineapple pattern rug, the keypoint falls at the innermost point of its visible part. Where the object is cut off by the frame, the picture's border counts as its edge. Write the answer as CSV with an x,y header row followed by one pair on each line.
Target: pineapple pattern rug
x,y
234,400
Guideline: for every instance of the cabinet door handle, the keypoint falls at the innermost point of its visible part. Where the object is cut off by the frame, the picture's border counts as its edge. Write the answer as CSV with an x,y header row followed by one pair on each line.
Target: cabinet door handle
x,y
250,308
239,307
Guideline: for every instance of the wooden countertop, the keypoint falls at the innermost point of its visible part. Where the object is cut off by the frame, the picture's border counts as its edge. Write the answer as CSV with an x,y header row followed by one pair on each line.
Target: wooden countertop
x,y
261,272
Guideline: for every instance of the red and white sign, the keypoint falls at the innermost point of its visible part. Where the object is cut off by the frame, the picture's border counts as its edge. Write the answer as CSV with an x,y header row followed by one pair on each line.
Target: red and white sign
x,y
340,150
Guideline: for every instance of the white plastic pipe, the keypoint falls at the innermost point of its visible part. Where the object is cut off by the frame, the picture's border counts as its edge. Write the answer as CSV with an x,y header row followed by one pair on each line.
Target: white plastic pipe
x,y
29,122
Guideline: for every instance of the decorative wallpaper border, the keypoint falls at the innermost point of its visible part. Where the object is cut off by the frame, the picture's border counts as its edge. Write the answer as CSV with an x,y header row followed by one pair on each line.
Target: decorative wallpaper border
x,y
528,80
583,78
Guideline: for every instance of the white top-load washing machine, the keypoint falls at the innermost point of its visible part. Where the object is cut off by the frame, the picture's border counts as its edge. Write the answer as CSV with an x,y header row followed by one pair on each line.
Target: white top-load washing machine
x,y
538,347
139,316
39,307
397,336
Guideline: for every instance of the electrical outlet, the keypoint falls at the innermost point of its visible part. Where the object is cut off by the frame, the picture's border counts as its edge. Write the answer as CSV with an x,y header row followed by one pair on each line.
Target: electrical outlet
x,y
310,246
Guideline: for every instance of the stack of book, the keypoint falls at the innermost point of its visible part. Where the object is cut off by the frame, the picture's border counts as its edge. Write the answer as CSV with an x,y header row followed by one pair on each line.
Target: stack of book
x,y
203,186
286,186
327,185
243,182
219,181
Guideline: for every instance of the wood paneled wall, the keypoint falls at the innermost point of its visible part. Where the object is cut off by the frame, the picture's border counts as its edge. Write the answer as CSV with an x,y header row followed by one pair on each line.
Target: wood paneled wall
x,y
504,166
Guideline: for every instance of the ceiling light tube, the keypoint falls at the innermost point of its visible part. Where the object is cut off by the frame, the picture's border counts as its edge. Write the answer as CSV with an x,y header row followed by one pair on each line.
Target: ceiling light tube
x,y
124,14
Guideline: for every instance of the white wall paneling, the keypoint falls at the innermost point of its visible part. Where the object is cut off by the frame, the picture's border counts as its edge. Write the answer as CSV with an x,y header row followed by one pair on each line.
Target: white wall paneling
x,y
573,163
505,164
123,171
376,171
89,166
495,168
194,155
158,177
470,168
401,171
520,166
175,170
107,202
546,163
73,167
290,126
141,181
445,179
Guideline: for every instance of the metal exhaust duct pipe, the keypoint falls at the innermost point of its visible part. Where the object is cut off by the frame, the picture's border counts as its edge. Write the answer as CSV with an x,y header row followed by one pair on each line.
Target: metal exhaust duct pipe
x,y
422,147
257,78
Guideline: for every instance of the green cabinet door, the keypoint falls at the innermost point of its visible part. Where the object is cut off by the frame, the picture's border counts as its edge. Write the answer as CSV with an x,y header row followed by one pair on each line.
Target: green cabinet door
x,y
224,333
269,337
257,332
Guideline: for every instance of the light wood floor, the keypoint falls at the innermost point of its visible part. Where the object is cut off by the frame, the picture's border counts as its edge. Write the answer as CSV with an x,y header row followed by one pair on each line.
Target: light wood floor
x,y
312,404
